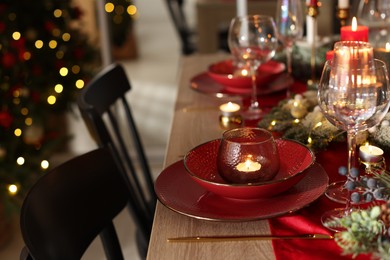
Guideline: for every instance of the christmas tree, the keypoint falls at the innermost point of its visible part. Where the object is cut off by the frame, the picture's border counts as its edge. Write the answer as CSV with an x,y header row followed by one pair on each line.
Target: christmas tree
x,y
44,60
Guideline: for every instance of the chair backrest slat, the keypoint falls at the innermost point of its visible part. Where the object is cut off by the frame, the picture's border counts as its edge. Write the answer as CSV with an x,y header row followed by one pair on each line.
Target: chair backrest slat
x,y
108,117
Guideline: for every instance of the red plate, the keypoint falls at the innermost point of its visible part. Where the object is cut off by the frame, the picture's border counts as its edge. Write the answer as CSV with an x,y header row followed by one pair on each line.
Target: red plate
x,y
177,191
295,158
206,85
223,73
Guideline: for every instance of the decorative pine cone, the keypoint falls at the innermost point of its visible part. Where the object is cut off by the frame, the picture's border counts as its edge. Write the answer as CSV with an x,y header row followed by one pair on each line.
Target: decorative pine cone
x,y
385,213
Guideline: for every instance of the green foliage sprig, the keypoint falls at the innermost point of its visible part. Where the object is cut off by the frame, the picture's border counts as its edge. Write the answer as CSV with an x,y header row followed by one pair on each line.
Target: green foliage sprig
x,y
364,232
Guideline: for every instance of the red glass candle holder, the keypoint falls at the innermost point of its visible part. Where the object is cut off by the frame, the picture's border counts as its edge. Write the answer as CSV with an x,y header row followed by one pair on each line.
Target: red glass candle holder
x,y
248,155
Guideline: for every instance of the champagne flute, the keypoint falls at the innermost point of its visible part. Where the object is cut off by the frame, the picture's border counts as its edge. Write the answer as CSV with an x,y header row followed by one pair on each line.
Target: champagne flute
x,y
354,95
252,40
289,23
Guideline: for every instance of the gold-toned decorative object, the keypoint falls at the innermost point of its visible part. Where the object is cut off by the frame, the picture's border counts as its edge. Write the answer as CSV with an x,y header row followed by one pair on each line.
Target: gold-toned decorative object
x,y
342,14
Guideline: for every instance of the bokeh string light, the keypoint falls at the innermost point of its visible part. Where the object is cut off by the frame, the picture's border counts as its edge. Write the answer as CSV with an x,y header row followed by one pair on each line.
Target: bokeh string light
x,y
45,60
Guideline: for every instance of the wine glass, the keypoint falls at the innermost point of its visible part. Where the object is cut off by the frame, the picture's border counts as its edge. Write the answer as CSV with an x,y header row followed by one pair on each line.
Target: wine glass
x,y
252,40
375,14
289,23
354,95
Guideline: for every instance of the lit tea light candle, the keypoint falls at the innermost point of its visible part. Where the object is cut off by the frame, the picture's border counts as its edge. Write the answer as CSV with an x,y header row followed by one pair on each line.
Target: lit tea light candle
x,y
354,32
248,166
229,109
230,115
370,153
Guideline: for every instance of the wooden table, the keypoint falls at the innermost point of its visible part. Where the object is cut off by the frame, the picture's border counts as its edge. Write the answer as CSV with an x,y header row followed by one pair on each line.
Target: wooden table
x,y
213,14
196,121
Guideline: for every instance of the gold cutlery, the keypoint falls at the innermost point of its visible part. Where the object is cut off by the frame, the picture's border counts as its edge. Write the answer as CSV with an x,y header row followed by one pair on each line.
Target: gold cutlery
x,y
246,238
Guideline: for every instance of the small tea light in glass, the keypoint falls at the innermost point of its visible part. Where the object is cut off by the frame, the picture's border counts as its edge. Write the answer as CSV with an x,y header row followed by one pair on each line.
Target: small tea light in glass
x,y
248,165
230,115
247,155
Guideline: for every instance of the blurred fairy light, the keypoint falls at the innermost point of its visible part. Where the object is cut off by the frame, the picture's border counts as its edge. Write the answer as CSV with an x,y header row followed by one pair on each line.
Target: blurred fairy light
x,y
66,37
109,7
16,93
12,189
17,132
53,44
131,9
59,54
26,55
45,164
57,13
51,100
317,125
20,160
80,84
58,88
63,71
24,111
76,69
28,121
16,36
38,44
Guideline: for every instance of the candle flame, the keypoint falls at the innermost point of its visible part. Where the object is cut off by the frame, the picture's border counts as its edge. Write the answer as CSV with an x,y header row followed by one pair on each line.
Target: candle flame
x,y
387,46
248,163
354,24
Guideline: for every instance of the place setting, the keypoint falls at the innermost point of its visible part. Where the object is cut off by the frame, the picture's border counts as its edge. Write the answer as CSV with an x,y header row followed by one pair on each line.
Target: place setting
x,y
250,72
245,175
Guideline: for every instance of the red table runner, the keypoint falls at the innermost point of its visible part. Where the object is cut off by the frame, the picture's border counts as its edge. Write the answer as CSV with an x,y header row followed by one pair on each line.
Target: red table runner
x,y
308,220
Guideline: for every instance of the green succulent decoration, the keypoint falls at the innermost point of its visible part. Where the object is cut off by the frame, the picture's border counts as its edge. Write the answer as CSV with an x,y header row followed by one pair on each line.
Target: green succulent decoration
x,y
365,232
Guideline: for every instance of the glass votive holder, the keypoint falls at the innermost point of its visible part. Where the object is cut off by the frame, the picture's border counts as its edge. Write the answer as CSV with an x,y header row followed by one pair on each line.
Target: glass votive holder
x,y
230,116
247,155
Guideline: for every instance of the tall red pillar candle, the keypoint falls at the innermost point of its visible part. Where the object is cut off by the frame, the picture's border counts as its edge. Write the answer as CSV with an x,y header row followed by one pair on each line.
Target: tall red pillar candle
x,y
354,32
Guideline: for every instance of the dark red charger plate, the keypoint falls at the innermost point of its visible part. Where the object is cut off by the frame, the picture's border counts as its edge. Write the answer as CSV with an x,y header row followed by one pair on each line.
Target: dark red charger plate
x,y
178,192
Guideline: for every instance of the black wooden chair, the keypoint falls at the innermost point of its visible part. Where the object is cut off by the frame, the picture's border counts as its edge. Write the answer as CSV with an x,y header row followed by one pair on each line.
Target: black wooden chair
x,y
104,107
71,205
187,35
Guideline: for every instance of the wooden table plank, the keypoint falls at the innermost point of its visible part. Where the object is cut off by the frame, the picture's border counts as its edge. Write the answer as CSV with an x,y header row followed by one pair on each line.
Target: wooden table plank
x,y
195,121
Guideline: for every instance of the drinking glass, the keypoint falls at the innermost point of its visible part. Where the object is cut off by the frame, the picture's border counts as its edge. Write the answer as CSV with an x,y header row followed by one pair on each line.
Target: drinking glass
x,y
289,23
375,14
248,155
252,41
353,95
